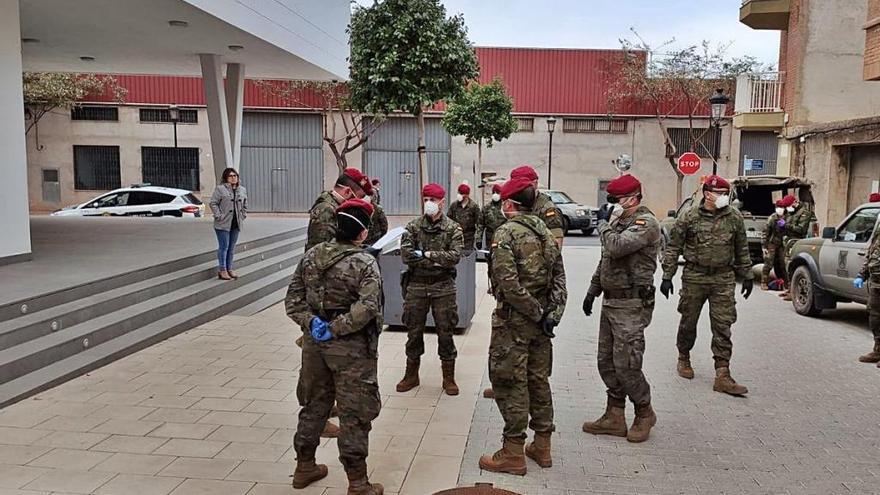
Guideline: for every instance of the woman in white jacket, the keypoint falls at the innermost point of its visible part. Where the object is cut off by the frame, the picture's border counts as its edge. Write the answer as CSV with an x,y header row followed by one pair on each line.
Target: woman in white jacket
x,y
229,206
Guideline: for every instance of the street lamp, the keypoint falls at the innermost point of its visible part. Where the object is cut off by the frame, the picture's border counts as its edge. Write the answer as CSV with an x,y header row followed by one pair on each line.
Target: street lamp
x,y
174,117
718,102
551,126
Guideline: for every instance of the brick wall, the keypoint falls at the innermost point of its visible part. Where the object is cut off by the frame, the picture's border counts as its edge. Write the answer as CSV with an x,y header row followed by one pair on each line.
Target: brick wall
x,y
792,50
872,42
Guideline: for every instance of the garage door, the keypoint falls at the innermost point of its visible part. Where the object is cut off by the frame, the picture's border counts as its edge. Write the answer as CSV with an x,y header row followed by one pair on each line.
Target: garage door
x,y
759,149
282,161
390,154
864,174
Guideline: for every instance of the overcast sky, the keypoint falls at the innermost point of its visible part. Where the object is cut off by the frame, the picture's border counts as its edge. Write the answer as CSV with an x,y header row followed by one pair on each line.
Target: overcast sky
x,y
601,23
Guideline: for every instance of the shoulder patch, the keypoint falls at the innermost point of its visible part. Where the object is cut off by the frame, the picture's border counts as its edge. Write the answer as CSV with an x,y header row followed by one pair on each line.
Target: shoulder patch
x,y
640,222
494,245
550,213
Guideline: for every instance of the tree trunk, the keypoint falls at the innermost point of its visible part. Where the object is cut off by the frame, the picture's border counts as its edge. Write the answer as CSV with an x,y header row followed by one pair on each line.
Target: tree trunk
x,y
478,173
423,158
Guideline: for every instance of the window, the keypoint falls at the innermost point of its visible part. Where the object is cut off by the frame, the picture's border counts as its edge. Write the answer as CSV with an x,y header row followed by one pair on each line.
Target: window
x,y
525,124
111,200
595,125
559,198
137,198
96,168
192,199
95,113
163,116
680,137
859,227
171,167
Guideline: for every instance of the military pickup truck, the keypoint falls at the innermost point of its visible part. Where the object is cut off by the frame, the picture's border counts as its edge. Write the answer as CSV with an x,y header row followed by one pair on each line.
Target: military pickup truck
x,y
822,270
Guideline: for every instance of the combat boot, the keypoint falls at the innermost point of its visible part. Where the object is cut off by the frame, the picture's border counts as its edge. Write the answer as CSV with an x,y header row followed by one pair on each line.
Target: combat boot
x,y
330,430
613,422
307,472
411,377
510,459
489,393
359,484
684,367
449,385
726,384
873,356
539,449
642,424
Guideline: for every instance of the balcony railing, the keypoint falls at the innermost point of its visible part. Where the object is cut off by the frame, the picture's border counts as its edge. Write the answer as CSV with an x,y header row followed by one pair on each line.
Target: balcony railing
x,y
759,93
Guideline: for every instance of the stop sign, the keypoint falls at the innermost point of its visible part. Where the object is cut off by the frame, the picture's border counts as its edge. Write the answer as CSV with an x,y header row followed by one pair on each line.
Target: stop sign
x,y
689,163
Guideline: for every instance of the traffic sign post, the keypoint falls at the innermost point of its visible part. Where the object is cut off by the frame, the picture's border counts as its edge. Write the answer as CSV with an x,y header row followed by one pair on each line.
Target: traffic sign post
x,y
689,163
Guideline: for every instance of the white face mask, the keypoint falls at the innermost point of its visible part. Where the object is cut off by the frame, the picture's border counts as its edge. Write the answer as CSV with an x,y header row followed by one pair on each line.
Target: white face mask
x,y
780,211
496,197
431,208
616,212
790,209
459,197
723,201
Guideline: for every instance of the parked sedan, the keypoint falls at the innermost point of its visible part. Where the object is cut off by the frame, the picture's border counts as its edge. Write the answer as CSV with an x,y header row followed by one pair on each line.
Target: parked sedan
x,y
139,201
575,216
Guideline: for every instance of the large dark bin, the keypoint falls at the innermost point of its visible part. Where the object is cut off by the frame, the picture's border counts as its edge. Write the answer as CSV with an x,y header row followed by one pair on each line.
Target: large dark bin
x,y
392,266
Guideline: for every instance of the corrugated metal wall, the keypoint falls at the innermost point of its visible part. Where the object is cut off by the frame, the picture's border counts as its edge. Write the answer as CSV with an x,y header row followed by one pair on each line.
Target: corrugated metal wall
x,y
390,154
759,146
282,160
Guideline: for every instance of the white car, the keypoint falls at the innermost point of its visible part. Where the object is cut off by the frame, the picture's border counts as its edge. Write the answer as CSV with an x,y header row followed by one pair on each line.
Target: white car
x,y
139,201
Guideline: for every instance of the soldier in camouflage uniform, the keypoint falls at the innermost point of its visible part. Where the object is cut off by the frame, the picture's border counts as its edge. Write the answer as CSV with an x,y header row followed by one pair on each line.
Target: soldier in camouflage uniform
x,y
431,248
322,216
467,213
491,217
544,207
630,235
870,275
774,254
379,225
795,226
530,288
335,297
711,237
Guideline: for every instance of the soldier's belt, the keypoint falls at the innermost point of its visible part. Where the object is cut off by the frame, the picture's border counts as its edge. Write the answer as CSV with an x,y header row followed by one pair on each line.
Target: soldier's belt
x,y
637,292
708,270
430,279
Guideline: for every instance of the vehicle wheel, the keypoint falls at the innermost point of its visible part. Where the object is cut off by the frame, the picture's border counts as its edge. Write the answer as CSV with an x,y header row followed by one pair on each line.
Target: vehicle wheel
x,y
802,292
565,225
588,231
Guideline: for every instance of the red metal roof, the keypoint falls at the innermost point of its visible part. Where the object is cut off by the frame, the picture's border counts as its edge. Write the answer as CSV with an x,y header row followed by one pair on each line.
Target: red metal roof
x,y
540,81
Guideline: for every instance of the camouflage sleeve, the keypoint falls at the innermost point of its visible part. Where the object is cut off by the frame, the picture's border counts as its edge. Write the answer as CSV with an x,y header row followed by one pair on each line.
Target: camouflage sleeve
x,y
674,246
800,225
506,278
407,246
642,233
742,260
478,237
382,222
368,306
450,257
450,212
295,302
558,290
553,219
768,231
322,224
595,288
872,254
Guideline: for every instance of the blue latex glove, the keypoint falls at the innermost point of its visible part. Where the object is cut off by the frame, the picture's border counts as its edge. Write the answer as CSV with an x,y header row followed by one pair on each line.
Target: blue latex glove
x,y
418,254
320,330
859,283
780,224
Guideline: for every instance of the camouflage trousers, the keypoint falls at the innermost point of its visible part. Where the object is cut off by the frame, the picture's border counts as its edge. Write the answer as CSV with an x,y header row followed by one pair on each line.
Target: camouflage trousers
x,y
345,373
874,306
722,314
520,362
440,300
622,348
775,260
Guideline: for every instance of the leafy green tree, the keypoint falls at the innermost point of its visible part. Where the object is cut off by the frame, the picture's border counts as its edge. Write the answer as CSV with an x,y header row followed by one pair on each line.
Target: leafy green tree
x,y
46,91
482,115
406,55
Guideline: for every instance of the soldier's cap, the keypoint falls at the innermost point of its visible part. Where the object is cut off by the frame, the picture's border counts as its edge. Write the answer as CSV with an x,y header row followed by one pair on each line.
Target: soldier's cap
x,y
362,180
625,185
716,182
513,187
357,210
787,201
779,204
874,197
496,188
433,190
524,171
464,189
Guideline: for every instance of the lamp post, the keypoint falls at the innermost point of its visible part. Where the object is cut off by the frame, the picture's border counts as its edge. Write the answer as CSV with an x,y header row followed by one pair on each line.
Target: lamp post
x,y
718,102
551,126
174,117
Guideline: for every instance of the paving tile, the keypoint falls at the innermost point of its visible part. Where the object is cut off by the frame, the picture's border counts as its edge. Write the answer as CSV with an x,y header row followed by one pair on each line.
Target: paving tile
x,y
272,407
262,472
253,451
126,427
20,436
173,415
260,394
22,418
272,489
190,448
288,421
192,467
114,411
170,400
69,481
212,487
183,430
430,474
71,439
231,418
129,444
241,434
70,459
215,404
61,423
18,476
443,445
214,392
134,464
132,484
20,454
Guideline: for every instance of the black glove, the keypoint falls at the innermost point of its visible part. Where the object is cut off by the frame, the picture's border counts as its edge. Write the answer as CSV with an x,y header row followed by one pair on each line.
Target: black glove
x,y
604,212
479,244
748,285
588,304
374,251
666,288
547,326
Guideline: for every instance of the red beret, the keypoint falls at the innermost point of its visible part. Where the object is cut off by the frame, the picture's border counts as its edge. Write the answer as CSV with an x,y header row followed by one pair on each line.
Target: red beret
x,y
874,197
624,185
362,180
433,190
779,203
514,186
464,189
787,201
524,171
356,203
716,182
496,188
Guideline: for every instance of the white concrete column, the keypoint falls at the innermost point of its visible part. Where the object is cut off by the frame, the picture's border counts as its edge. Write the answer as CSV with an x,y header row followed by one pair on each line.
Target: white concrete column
x,y
15,242
234,106
218,118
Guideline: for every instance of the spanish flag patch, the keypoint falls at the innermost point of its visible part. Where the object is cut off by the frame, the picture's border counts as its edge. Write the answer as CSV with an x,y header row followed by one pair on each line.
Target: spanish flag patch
x,y
640,222
550,213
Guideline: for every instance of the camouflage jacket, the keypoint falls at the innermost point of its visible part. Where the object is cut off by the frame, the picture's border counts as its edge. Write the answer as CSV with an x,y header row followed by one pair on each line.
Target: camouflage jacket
x,y
872,258
491,218
341,284
772,234
629,253
469,219
527,270
379,225
443,239
322,220
797,223
713,244
547,211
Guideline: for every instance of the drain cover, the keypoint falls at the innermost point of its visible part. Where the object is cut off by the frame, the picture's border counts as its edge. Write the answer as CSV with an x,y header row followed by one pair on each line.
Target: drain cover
x,y
479,489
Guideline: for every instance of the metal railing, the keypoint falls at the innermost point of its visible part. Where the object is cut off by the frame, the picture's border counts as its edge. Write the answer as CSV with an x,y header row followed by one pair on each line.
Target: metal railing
x,y
759,93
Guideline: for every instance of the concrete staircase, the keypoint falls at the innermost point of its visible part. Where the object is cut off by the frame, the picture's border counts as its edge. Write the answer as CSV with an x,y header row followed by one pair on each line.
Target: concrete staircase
x,y
54,337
